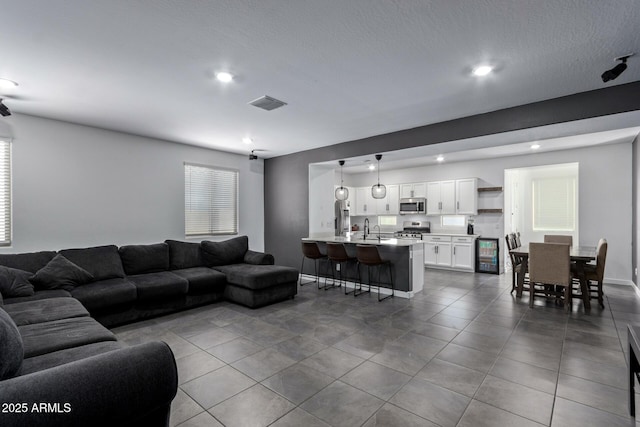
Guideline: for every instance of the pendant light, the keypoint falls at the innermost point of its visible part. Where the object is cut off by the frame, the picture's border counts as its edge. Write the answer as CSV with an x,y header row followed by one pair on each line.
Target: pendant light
x,y
342,192
379,191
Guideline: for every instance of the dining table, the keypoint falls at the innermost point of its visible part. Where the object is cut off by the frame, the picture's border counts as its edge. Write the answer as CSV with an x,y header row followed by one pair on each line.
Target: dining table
x,y
580,255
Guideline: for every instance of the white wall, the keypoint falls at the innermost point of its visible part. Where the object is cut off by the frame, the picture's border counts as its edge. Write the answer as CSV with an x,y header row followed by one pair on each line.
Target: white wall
x,y
604,196
78,186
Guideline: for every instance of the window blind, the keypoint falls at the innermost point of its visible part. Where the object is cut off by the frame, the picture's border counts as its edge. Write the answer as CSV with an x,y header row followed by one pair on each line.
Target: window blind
x,y
554,203
211,200
5,193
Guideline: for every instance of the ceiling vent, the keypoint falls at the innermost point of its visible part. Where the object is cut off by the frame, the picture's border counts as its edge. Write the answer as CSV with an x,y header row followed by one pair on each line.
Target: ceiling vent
x,y
267,103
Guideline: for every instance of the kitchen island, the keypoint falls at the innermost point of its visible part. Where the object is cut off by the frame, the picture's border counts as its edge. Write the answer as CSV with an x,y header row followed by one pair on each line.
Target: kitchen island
x,y
406,256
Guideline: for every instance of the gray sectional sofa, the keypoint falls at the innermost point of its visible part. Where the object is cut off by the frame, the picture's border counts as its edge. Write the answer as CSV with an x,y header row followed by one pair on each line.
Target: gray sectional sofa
x,y
60,365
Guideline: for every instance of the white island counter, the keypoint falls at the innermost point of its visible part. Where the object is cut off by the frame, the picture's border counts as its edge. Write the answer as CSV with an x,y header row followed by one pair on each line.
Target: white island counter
x,y
406,256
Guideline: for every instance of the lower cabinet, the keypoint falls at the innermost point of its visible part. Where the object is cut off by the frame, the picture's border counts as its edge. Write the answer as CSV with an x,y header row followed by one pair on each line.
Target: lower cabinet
x,y
451,252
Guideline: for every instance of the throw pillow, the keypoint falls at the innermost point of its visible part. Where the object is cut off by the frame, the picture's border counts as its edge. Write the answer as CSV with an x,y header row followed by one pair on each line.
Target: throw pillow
x,y
224,253
60,273
11,348
15,283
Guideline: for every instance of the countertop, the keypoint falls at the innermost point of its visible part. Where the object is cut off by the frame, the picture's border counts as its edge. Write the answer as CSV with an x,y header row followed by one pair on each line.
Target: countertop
x,y
475,236
371,240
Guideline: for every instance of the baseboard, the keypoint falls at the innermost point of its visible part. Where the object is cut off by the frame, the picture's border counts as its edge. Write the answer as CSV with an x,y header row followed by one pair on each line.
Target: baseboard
x,y
383,291
624,282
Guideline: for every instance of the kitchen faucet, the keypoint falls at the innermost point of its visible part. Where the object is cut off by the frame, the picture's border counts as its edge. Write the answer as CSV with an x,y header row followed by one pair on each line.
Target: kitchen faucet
x,y
374,227
366,229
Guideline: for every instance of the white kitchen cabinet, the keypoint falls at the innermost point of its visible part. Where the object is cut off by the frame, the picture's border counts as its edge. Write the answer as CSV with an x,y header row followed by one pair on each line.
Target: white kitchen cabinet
x,y
466,194
463,253
390,205
413,190
437,251
365,203
441,197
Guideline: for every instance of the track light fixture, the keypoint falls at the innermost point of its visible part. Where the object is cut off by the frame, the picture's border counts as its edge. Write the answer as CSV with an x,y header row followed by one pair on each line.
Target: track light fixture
x,y
613,73
253,156
4,110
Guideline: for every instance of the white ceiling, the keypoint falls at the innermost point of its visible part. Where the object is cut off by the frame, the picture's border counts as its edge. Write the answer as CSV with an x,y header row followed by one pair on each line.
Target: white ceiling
x,y
347,69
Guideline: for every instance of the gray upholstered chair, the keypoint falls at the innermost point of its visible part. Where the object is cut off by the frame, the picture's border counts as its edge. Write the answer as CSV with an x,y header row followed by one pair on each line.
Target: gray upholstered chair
x,y
369,256
558,238
312,251
550,264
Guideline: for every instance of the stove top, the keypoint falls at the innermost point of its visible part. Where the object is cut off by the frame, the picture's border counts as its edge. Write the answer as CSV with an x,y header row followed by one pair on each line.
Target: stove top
x,y
413,230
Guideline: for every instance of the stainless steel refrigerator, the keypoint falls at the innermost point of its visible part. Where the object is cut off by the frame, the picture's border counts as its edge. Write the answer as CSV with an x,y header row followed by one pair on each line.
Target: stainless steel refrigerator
x,y
342,223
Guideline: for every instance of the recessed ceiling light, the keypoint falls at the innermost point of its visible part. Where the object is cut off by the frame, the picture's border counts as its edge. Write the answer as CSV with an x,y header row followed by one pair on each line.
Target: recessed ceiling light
x,y
372,167
247,140
535,146
482,70
224,76
440,158
7,84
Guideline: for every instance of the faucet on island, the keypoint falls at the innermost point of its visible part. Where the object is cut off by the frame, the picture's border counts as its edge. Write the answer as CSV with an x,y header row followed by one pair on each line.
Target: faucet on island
x,y
374,227
366,229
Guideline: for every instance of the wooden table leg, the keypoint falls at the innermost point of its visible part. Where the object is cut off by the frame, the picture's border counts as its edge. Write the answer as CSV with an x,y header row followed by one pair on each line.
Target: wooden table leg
x,y
584,286
633,368
523,270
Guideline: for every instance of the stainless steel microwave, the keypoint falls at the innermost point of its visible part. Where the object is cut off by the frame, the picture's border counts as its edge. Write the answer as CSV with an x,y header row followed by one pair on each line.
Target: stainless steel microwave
x,y
413,206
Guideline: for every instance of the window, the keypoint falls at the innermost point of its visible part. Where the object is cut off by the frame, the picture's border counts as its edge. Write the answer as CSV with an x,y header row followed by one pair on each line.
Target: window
x,y
453,220
554,203
387,220
210,200
5,193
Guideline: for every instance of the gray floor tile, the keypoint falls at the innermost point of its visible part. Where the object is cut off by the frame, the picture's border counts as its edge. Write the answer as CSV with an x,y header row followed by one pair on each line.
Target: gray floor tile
x,y
467,357
449,321
375,379
515,398
332,362
236,349
263,364
615,376
489,330
436,404
183,408
409,353
204,419
393,416
213,337
593,394
436,331
528,375
595,354
299,348
214,387
567,413
528,355
342,405
479,342
594,339
451,376
256,406
298,418
195,365
297,383
480,414
363,345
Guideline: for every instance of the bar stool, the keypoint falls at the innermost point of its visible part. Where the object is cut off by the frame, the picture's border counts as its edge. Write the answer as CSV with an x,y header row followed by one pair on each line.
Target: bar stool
x,y
368,255
311,250
337,255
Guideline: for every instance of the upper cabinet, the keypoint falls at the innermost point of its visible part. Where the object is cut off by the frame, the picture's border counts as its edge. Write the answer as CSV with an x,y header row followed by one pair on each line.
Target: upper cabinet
x,y
390,205
467,196
452,197
414,190
365,204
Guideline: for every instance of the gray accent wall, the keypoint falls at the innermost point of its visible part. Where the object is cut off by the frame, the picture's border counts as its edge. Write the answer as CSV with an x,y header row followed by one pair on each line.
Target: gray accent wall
x,y
635,214
287,177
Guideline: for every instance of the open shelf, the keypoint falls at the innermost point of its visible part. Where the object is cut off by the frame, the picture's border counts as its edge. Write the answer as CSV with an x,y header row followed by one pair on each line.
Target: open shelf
x,y
486,189
481,211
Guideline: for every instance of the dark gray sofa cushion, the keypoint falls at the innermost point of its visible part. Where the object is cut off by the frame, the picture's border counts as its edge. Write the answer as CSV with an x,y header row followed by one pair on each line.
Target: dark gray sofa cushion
x,y
61,357
159,285
39,295
11,347
258,276
31,262
42,338
184,255
60,273
46,310
202,279
103,262
105,293
258,258
139,259
15,282
224,253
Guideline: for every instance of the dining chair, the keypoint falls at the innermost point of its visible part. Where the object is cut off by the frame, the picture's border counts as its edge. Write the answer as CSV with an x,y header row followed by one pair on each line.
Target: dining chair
x,y
516,262
558,238
518,242
550,264
595,272
369,256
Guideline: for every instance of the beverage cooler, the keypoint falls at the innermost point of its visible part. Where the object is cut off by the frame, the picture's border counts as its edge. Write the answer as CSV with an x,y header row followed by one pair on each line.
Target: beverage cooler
x,y
487,255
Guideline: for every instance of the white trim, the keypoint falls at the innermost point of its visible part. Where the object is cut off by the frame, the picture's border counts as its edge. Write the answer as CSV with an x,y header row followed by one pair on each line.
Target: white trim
x,y
624,282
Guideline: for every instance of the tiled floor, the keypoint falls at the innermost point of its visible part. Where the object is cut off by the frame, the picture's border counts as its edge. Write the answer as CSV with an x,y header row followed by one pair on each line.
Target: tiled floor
x,y
464,352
